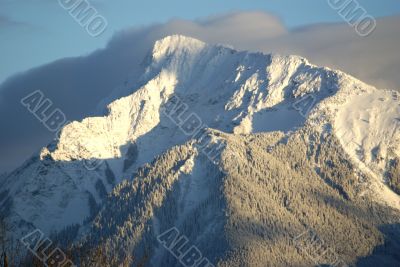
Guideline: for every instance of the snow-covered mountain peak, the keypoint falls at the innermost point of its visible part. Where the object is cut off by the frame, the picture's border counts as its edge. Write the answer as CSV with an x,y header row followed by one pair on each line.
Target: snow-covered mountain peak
x,y
239,92
226,90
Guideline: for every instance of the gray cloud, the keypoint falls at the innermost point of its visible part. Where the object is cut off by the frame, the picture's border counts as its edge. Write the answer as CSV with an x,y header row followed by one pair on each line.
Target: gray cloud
x,y
77,85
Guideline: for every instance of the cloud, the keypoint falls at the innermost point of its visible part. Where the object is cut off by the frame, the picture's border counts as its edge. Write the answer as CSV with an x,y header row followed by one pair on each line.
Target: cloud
x,y
77,85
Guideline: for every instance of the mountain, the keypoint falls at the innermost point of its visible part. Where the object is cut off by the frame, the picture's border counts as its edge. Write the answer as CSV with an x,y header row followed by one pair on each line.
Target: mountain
x,y
241,152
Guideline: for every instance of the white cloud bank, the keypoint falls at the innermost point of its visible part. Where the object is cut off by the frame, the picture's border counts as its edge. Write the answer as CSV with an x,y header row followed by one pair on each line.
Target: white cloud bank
x,y
76,85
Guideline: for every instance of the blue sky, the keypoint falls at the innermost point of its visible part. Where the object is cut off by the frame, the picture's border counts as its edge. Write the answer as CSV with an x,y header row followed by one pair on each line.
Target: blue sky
x,y
34,32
